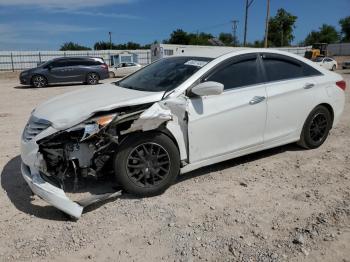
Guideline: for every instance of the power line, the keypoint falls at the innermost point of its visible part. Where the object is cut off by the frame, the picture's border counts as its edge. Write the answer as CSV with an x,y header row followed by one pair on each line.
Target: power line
x,y
234,30
211,27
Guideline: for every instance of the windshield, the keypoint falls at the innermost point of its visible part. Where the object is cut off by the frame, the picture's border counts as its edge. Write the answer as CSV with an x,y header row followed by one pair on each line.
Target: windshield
x,y
165,74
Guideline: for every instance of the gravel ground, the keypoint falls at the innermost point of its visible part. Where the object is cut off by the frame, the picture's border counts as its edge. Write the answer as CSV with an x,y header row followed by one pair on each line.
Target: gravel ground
x,y
284,204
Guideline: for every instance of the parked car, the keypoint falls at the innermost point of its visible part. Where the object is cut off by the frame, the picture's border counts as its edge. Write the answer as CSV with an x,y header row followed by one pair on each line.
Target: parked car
x,y
124,69
327,62
88,70
346,65
176,115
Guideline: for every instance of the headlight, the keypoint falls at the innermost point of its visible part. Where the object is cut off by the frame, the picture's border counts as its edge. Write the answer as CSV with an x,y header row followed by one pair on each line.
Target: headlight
x,y
24,73
103,121
93,125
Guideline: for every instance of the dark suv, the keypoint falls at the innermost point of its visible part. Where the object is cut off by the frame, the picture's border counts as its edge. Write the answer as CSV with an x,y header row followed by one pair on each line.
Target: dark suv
x,y
88,70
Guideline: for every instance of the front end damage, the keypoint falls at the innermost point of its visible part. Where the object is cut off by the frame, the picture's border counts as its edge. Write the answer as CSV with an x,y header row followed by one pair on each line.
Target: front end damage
x,y
55,161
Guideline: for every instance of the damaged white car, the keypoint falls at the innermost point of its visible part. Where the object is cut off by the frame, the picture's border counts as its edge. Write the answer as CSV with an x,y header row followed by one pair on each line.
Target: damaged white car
x,y
174,116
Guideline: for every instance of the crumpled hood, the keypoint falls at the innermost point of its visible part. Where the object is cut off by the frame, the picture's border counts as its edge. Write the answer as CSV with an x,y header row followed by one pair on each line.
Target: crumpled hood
x,y
67,110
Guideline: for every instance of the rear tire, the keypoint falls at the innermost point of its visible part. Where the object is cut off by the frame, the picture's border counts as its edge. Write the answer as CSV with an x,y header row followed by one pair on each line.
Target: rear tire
x,y
333,68
316,128
38,81
92,79
147,164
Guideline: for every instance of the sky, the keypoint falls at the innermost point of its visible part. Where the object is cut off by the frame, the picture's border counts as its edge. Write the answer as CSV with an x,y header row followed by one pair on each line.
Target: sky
x,y
46,24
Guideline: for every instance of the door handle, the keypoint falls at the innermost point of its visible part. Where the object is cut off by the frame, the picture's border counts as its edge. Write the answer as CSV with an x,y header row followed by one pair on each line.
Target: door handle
x,y
256,100
309,85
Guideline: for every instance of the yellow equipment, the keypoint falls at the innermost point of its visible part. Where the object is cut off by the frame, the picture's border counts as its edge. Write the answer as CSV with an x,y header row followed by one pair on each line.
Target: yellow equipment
x,y
318,49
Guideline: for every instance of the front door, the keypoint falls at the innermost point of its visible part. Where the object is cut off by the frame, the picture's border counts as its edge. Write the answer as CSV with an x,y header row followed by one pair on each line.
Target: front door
x,y
63,71
234,120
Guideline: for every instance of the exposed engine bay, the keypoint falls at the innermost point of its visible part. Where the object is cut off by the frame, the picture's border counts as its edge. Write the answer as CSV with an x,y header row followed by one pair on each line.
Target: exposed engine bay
x,y
87,150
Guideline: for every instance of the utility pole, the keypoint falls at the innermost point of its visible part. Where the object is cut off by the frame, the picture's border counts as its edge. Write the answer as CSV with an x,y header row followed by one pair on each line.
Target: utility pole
x,y
267,23
110,40
248,3
234,29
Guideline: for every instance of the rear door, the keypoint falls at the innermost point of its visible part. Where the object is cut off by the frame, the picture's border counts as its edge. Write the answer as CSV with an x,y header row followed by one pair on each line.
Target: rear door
x,y
290,92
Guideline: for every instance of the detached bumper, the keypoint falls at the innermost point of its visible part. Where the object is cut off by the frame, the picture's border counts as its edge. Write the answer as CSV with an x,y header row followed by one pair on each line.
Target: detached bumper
x,y
51,194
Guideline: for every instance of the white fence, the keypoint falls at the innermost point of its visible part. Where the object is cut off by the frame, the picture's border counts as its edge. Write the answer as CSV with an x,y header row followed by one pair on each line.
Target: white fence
x,y
19,60
341,49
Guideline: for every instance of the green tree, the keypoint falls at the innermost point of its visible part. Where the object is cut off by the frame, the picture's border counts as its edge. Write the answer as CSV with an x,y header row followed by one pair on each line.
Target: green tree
x,y
179,37
281,28
73,47
345,28
199,39
227,39
101,45
326,34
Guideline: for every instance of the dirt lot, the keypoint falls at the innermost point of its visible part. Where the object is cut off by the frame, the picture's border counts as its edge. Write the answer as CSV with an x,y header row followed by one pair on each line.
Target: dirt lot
x,y
284,204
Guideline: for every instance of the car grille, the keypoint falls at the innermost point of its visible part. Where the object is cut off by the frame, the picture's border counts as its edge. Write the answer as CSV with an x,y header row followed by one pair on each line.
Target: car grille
x,y
34,127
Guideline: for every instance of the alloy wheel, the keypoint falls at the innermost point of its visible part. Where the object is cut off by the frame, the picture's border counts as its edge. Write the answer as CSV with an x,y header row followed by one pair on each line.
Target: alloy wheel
x,y
318,127
39,81
148,165
92,79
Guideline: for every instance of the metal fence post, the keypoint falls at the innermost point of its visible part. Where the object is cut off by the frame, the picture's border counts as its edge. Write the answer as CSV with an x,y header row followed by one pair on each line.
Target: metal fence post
x,y
39,58
13,69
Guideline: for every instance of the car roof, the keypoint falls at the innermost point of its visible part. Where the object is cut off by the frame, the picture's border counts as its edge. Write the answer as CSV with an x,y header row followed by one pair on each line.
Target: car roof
x,y
78,57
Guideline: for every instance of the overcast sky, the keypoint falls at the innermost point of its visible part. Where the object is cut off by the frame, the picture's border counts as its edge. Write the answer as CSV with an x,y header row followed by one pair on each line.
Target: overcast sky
x,y
46,24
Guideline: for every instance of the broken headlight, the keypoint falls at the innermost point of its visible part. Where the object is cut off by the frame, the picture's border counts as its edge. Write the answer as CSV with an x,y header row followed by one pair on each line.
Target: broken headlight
x,y
93,125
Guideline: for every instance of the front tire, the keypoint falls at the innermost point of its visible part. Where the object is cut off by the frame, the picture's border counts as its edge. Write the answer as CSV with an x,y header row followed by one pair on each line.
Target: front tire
x,y
334,67
316,128
39,81
147,164
92,79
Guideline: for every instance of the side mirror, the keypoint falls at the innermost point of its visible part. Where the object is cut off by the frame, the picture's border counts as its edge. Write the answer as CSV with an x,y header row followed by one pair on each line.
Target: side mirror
x,y
208,88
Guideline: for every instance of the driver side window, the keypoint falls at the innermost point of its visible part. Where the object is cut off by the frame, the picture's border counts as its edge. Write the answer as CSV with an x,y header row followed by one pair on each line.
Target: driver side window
x,y
239,72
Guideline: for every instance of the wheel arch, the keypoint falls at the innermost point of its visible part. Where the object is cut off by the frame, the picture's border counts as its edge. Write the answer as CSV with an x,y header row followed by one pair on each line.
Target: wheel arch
x,y
160,130
92,72
329,108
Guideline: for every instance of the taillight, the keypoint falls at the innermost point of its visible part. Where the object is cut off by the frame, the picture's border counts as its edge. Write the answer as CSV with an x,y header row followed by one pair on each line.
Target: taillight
x,y
105,66
341,84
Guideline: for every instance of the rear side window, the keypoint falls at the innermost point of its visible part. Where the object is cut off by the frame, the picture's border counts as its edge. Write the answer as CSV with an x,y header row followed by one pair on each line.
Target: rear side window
x,y
89,62
239,72
280,67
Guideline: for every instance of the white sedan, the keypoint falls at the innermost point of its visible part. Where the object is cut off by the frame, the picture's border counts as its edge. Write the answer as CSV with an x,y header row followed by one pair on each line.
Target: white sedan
x,y
123,69
176,115
327,62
